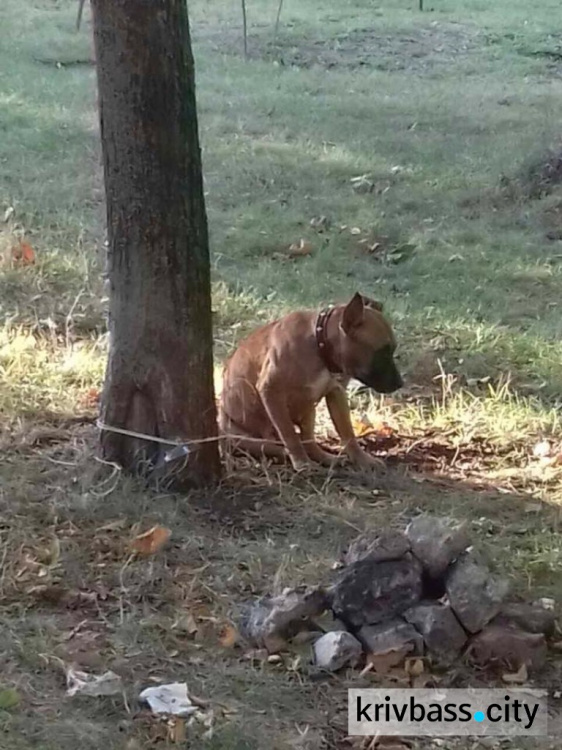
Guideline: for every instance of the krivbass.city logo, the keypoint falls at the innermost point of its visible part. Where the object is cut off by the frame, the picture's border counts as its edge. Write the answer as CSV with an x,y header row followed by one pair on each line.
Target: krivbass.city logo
x,y
453,713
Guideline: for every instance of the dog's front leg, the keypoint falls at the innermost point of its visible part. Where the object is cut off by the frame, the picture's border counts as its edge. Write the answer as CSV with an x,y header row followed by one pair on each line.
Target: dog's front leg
x,y
338,407
312,448
278,412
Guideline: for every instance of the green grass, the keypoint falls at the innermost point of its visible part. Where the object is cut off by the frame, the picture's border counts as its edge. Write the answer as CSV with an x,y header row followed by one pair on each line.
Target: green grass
x,y
450,114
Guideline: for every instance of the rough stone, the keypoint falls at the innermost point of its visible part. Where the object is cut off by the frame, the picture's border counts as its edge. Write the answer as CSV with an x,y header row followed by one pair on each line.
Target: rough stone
x,y
529,617
390,545
389,636
476,596
441,631
436,542
508,647
336,649
327,623
271,621
368,592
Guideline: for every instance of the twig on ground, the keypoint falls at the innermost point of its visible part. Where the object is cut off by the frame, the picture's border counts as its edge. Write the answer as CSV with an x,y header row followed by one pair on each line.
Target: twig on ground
x,y
245,29
279,9
79,16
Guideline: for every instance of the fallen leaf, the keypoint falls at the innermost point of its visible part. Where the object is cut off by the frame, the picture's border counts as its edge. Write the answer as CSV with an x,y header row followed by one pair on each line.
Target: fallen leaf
x,y
8,213
300,249
228,636
259,654
320,223
414,666
401,253
151,541
23,254
90,399
355,231
52,594
362,427
177,731
383,429
82,683
186,623
382,663
517,678
49,554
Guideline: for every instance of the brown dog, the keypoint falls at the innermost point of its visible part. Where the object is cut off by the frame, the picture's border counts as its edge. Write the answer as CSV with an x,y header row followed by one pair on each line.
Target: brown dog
x,y
276,377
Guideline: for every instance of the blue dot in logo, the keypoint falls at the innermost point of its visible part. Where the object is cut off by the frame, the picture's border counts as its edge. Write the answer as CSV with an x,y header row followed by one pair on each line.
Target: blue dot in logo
x,y
479,716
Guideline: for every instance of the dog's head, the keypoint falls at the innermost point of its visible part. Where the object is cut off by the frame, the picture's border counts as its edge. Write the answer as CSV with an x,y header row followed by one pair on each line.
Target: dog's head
x,y
367,345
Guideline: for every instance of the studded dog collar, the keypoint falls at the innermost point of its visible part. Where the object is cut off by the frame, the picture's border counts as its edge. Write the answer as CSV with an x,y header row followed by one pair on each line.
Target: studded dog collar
x,y
322,342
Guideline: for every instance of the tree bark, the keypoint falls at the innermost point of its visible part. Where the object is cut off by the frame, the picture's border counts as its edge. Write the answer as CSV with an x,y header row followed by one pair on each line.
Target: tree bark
x,y
159,378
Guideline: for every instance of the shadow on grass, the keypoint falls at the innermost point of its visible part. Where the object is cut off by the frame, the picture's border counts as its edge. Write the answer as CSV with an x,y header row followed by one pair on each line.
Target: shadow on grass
x,y
86,599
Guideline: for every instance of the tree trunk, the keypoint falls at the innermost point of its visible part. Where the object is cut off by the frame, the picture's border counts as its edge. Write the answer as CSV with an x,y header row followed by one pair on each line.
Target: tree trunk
x,y
159,378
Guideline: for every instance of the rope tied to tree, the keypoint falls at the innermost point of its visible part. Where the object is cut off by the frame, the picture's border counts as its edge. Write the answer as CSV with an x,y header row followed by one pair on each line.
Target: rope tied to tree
x,y
188,444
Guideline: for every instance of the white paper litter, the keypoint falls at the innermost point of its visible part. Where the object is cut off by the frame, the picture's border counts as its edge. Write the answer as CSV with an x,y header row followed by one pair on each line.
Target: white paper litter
x,y
169,699
82,683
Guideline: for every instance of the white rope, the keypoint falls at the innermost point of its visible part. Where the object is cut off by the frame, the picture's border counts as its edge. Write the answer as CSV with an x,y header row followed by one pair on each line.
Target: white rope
x,y
180,443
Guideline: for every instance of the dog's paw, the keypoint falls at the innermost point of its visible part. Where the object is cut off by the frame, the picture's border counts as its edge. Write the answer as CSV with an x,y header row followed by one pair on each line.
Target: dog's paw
x,y
366,462
329,460
301,465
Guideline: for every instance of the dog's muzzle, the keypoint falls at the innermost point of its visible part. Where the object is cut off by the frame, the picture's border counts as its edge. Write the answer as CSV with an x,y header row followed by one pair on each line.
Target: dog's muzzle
x,y
382,374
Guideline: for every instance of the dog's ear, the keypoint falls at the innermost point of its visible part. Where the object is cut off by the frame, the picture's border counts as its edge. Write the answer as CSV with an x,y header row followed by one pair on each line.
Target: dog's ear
x,y
372,303
353,313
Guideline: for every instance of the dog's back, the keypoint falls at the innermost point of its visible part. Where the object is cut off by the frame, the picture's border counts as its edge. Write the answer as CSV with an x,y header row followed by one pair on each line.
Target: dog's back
x,y
241,408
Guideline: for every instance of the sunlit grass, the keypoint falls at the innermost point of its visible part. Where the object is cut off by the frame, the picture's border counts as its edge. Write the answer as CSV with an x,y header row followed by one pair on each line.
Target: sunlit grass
x,y
40,376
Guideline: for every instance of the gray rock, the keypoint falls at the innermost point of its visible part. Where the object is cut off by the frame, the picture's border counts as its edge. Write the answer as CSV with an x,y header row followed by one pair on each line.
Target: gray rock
x,y
327,623
436,542
336,649
508,647
476,596
320,223
529,617
271,621
443,635
389,636
362,184
368,592
390,545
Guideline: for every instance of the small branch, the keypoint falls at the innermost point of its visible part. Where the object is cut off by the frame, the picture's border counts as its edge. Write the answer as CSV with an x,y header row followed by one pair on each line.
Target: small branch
x,y
81,10
421,4
279,9
245,26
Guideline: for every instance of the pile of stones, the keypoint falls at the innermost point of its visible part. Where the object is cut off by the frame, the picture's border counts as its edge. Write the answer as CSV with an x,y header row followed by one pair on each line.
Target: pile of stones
x,y
423,591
